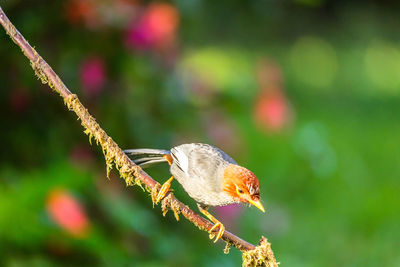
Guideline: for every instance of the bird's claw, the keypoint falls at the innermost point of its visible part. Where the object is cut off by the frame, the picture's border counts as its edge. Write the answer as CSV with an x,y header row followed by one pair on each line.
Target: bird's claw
x,y
216,224
164,190
220,232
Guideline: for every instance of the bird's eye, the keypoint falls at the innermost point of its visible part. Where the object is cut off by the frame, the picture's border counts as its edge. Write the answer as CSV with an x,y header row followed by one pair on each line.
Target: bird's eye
x,y
240,191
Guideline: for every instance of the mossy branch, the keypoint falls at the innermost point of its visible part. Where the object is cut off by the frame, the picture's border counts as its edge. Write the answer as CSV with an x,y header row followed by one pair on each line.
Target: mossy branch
x,y
261,255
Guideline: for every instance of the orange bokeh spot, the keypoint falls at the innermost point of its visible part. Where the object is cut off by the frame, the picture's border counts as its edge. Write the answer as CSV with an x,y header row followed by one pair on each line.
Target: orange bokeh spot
x,y
67,212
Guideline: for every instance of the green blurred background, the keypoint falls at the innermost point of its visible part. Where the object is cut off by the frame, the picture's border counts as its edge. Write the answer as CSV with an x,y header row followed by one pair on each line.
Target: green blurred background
x,y
304,93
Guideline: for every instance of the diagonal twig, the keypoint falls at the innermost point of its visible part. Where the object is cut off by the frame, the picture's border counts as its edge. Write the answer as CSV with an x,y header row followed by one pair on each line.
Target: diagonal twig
x,y
261,255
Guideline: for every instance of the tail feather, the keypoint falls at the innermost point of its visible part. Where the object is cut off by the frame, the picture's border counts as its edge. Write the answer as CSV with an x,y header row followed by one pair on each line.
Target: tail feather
x,y
146,151
147,157
150,163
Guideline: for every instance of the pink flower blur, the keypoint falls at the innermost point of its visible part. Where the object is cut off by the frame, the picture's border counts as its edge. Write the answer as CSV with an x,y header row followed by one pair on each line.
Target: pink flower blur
x,y
156,28
92,75
272,110
67,212
230,213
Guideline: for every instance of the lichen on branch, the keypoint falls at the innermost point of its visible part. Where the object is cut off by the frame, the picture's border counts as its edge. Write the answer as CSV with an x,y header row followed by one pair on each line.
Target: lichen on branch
x,y
262,255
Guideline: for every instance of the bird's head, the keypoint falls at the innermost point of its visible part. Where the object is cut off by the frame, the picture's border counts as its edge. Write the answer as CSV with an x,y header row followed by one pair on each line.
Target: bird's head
x,y
242,184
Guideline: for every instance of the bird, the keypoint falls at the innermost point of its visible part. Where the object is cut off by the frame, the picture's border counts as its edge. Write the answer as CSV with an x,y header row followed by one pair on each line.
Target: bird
x,y
207,174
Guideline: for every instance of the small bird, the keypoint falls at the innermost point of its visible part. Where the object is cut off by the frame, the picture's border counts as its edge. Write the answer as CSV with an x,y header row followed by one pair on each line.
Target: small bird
x,y
208,175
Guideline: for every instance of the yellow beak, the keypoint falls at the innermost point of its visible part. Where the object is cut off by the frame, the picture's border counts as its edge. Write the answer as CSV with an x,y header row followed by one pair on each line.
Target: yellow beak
x,y
257,204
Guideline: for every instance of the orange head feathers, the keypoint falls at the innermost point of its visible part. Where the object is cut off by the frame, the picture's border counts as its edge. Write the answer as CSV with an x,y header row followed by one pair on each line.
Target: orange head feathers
x,y
242,184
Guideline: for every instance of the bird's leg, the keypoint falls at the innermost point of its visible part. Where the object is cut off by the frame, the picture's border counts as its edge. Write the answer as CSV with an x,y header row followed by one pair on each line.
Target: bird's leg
x,y
168,158
216,223
164,190
165,187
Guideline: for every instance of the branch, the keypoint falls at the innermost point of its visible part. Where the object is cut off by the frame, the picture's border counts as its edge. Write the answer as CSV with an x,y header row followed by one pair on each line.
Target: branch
x,y
261,255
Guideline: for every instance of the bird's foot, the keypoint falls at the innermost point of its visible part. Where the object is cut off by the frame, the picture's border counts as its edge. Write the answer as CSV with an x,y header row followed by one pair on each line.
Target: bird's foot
x,y
164,190
215,221
220,232
167,203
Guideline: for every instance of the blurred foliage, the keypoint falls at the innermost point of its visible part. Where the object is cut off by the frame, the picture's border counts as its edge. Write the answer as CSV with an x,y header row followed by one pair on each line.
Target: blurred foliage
x,y
304,93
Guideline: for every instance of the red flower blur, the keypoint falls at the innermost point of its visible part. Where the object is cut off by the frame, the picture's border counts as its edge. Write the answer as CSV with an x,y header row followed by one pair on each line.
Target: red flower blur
x,y
92,75
272,112
67,212
156,28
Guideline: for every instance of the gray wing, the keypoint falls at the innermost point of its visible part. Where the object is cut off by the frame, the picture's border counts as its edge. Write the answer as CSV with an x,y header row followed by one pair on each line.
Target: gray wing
x,y
200,160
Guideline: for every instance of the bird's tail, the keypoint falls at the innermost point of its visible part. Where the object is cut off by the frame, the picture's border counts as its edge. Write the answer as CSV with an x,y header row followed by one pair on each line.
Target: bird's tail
x,y
147,157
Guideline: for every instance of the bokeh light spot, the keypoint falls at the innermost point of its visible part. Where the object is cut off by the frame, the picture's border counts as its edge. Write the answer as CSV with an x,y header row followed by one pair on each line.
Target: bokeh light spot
x,y
311,143
382,64
218,68
314,62
65,210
